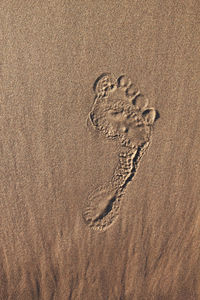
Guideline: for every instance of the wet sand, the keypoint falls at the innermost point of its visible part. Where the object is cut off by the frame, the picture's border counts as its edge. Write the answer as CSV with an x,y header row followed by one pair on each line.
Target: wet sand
x,y
99,191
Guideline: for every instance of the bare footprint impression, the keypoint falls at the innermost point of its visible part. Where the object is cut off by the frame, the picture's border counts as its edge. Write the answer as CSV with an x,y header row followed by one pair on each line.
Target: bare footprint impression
x,y
120,112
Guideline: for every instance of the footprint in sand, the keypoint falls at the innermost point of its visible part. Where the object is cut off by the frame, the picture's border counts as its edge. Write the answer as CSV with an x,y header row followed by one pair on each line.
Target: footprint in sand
x,y
120,112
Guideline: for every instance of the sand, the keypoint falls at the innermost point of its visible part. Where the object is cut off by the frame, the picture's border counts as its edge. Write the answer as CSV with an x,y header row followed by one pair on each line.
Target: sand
x,y
99,150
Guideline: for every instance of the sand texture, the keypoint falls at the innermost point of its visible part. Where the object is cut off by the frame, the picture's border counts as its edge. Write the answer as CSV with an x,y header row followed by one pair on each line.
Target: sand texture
x,y
99,150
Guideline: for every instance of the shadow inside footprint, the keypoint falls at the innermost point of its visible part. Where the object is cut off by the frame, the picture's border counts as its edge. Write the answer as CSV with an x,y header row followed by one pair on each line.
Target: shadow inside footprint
x,y
107,209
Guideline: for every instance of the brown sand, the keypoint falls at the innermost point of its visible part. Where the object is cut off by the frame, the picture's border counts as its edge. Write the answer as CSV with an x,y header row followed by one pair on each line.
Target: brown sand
x,y
57,166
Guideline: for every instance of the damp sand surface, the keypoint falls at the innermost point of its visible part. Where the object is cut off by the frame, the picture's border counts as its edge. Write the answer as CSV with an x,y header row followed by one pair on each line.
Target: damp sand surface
x,y
99,150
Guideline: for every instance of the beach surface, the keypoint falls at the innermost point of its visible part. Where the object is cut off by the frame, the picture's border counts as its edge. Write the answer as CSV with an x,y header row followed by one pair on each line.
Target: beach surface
x,y
99,150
